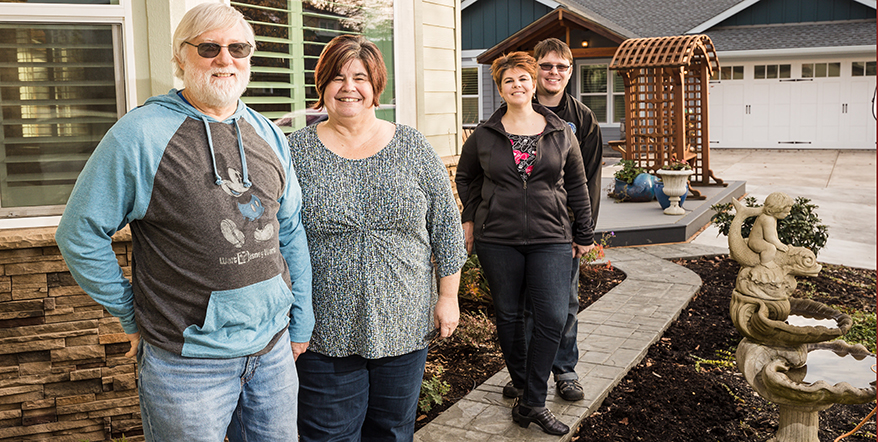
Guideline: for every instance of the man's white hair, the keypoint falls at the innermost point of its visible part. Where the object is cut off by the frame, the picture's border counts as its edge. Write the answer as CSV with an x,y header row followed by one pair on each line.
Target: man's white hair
x,y
202,18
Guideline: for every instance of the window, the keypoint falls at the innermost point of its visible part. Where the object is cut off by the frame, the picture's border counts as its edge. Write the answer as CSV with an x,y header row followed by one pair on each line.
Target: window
x,y
593,89
470,96
59,94
74,2
771,71
821,70
291,34
863,69
728,73
603,92
618,97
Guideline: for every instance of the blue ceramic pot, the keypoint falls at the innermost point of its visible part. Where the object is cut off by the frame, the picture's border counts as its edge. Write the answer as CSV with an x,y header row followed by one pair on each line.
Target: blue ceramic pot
x,y
642,190
663,199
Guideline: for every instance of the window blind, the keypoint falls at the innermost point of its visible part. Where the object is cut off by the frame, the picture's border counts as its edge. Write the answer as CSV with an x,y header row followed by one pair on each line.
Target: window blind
x,y
61,89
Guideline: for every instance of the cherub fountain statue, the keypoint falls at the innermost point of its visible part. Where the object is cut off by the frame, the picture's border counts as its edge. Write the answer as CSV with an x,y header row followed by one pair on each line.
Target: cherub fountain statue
x,y
773,356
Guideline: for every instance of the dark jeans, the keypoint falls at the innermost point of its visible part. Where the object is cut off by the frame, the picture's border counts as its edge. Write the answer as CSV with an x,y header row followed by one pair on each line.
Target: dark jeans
x,y
564,367
358,399
546,268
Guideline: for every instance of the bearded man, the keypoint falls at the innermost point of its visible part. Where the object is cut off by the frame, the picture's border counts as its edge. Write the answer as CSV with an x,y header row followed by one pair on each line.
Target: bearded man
x,y
220,270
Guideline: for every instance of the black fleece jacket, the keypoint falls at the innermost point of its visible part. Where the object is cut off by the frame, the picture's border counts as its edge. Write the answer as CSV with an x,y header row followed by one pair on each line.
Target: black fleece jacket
x,y
588,132
503,208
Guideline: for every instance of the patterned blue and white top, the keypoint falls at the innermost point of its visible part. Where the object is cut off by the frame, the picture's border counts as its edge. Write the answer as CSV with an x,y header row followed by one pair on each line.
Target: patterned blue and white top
x,y
375,228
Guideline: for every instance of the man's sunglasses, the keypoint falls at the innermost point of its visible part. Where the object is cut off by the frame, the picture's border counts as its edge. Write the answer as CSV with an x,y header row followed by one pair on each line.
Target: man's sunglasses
x,y
548,67
211,50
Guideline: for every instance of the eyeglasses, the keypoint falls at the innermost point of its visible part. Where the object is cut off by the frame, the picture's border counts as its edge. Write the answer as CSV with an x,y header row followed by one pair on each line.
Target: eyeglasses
x,y
211,50
560,67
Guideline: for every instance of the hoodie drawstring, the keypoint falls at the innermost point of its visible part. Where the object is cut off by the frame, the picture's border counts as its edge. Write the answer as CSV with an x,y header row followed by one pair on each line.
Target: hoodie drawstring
x,y
247,182
218,179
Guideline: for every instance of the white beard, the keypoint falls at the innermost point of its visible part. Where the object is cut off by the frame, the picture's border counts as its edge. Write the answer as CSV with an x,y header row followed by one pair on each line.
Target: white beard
x,y
217,95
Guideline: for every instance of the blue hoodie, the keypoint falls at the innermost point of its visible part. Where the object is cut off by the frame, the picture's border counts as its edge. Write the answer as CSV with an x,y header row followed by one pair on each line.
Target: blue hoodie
x,y
220,262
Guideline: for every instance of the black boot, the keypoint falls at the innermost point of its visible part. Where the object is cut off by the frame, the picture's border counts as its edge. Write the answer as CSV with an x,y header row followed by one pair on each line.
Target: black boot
x,y
523,416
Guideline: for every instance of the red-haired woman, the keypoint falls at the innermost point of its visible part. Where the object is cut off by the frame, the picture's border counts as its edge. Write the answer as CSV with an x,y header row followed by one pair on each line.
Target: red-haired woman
x,y
517,175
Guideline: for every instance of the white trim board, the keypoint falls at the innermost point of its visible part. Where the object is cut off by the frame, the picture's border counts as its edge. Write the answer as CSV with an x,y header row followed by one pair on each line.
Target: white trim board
x,y
551,4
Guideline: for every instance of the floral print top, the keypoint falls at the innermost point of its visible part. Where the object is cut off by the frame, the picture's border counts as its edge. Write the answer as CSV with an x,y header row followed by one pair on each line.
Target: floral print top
x,y
524,149
380,230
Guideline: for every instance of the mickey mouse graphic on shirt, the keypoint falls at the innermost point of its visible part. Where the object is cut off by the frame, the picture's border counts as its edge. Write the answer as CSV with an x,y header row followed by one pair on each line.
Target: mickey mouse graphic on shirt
x,y
251,210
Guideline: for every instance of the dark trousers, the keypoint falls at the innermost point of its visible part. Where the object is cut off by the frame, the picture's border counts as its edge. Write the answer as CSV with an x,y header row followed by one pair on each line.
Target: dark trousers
x,y
564,367
358,399
546,268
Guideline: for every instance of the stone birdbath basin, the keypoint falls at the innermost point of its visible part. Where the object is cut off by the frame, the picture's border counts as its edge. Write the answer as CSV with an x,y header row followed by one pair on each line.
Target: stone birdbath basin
x,y
786,355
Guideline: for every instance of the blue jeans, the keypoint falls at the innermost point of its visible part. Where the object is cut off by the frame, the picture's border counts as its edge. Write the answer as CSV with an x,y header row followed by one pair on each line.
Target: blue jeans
x,y
564,367
251,398
358,399
546,268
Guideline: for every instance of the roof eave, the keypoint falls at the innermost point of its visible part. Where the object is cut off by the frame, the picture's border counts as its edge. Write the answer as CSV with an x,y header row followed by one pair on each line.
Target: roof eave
x,y
559,14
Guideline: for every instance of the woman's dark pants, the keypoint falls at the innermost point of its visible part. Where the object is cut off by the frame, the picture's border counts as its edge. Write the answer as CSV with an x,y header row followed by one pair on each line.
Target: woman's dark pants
x,y
358,399
546,268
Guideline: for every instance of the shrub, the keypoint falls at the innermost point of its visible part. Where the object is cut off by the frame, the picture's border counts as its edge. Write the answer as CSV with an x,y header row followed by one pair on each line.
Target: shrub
x,y
801,228
629,171
475,331
432,391
863,329
473,285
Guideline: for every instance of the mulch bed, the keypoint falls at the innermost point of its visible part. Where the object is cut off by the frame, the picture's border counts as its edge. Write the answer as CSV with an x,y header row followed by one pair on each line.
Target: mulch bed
x,y
675,393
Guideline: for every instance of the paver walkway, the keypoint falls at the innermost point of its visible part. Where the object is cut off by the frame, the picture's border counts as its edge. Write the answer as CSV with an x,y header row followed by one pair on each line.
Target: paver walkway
x,y
615,333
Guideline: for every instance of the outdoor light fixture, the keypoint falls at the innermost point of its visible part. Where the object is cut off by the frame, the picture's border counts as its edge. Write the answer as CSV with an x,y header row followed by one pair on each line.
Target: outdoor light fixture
x,y
585,43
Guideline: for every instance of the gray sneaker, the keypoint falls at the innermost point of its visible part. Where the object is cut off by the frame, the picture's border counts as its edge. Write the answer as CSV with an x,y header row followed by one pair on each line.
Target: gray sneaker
x,y
570,390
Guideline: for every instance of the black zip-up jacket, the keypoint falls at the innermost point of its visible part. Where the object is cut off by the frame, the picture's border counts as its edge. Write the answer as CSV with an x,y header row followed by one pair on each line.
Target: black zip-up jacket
x,y
503,208
588,132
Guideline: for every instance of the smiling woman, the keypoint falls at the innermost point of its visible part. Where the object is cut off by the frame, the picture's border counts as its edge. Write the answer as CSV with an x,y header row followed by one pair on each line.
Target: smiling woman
x,y
378,192
507,179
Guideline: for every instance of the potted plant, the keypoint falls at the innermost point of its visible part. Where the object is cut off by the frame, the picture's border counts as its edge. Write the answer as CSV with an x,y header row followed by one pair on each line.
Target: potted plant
x,y
675,184
633,183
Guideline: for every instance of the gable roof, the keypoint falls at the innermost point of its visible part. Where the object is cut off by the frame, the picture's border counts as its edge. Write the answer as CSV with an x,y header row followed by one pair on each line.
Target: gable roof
x,y
622,19
550,24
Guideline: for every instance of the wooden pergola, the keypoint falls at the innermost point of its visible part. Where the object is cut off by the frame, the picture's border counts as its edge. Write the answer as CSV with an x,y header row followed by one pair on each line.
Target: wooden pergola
x,y
666,88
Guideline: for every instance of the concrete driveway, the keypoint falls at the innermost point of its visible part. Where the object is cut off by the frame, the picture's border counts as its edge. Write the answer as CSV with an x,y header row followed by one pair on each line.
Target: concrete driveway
x,y
842,183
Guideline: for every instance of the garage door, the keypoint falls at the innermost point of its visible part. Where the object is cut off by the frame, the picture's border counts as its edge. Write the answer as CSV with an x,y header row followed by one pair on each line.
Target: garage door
x,y
825,104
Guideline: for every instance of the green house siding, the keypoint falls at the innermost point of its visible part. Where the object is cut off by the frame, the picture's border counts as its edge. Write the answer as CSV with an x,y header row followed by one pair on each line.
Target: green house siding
x,y
798,11
486,23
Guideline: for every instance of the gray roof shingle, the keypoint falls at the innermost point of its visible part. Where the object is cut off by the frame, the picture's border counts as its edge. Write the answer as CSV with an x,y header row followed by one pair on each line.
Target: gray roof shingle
x,y
654,18
808,35
659,18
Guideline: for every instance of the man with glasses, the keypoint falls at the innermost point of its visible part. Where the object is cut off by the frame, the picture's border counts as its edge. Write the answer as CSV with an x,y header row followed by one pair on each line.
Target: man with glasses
x,y
555,62
220,269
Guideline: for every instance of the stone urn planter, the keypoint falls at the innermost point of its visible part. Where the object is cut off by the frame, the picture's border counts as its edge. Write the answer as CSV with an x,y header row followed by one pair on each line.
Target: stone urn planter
x,y
662,199
675,184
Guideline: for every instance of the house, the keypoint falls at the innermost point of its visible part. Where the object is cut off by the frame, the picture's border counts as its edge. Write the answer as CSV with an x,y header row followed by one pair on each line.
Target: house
x,y
68,70
793,73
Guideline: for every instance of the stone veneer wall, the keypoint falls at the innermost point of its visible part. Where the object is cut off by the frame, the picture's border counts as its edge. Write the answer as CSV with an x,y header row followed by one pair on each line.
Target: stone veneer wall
x,y
63,373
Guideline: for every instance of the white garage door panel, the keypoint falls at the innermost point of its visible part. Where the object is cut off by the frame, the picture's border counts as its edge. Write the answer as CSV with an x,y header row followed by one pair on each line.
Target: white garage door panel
x,y
779,112
829,98
825,113
858,116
